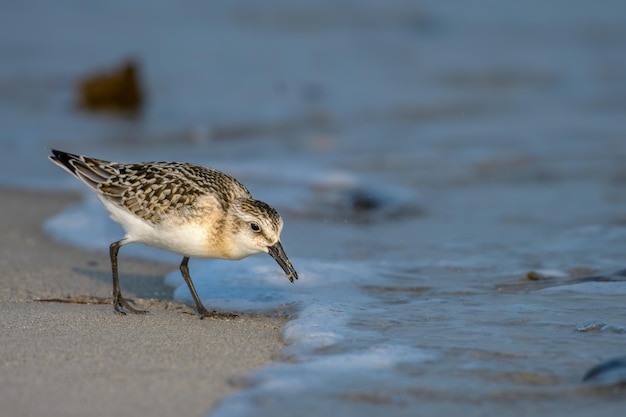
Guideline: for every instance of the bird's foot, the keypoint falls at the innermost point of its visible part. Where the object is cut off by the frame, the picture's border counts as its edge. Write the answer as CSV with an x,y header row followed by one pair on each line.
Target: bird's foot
x,y
203,312
122,306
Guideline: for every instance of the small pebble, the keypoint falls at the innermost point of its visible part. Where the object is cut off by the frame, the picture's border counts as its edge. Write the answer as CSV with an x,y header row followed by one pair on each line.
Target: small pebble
x,y
590,325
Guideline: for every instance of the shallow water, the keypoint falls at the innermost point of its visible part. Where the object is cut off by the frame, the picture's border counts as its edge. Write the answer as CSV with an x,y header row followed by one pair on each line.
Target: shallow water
x,y
425,159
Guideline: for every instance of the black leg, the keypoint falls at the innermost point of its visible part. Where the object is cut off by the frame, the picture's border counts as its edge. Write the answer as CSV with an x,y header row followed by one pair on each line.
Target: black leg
x,y
119,302
202,311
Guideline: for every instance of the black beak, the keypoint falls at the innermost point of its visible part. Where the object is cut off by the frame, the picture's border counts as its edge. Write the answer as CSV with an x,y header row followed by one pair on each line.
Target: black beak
x,y
277,252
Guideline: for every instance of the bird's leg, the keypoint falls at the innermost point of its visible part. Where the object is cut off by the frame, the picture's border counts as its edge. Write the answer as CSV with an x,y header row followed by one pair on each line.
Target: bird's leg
x,y
202,311
119,302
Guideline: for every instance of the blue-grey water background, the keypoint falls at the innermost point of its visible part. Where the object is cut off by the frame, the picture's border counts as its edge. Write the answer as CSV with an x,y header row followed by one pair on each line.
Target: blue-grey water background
x,y
424,155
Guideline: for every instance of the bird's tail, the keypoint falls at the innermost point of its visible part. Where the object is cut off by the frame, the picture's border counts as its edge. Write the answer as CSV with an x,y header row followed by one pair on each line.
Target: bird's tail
x,y
91,171
65,160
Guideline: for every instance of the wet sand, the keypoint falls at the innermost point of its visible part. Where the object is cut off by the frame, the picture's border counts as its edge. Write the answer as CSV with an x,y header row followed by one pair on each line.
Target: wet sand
x,y
65,352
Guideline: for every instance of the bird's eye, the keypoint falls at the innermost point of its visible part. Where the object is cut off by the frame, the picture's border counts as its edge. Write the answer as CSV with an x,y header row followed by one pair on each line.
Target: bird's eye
x,y
255,227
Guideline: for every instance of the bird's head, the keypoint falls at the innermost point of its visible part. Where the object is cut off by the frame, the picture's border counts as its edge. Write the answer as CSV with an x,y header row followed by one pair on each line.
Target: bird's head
x,y
256,228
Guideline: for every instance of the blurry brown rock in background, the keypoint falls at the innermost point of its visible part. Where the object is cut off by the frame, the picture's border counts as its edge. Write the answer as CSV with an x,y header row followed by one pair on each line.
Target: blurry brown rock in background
x,y
116,91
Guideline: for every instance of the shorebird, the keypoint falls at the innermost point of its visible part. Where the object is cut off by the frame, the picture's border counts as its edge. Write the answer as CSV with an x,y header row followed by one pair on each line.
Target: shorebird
x,y
183,208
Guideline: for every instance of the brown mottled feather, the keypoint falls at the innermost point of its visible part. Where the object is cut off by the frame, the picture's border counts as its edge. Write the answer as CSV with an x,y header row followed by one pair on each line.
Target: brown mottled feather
x,y
154,190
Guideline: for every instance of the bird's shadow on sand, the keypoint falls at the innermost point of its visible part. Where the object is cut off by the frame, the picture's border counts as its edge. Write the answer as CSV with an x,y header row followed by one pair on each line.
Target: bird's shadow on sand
x,y
144,291
133,284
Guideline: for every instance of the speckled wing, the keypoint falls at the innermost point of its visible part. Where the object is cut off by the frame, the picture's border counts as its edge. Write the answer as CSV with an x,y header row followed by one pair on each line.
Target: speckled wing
x,y
154,191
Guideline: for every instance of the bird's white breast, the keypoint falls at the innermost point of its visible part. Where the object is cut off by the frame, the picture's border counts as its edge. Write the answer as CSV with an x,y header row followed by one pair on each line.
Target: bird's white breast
x,y
186,238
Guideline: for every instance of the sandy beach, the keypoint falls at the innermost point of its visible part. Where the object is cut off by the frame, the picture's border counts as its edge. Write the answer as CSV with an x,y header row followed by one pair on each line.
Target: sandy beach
x,y
66,353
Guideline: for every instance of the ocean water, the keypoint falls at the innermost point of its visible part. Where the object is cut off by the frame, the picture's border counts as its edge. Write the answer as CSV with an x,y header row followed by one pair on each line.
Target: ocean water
x,y
451,178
